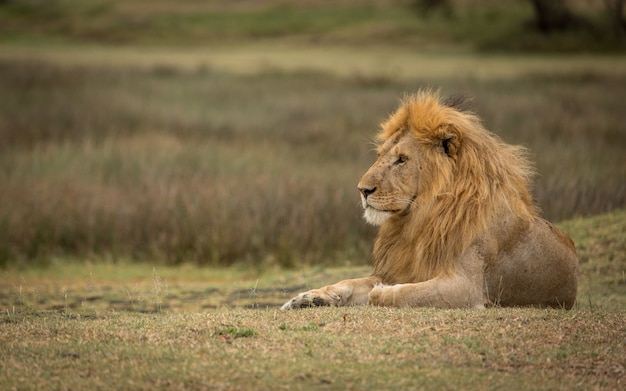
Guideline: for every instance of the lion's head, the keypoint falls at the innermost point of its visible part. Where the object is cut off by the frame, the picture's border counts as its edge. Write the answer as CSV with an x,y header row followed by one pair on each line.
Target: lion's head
x,y
438,182
407,168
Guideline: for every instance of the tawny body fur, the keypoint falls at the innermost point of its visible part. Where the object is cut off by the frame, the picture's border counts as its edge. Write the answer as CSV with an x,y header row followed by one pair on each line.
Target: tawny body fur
x,y
458,227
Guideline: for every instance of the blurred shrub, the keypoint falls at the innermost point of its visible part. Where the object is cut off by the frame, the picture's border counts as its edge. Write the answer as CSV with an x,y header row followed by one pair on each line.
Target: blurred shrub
x,y
211,168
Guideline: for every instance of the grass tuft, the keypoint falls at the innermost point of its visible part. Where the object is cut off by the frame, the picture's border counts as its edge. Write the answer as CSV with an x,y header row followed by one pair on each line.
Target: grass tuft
x,y
236,332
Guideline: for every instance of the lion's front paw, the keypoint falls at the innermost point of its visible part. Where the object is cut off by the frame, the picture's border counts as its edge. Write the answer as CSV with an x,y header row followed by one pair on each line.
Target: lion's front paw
x,y
379,295
314,298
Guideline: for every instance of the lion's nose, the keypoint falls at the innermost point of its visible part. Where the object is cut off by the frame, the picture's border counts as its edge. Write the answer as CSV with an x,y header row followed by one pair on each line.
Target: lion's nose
x,y
366,191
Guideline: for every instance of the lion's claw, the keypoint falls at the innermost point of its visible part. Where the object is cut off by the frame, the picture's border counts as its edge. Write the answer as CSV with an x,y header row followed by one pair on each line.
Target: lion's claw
x,y
305,300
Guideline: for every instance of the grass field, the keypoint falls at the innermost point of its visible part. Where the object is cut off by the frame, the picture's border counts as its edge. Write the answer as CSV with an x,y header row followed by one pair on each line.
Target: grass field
x,y
234,133
179,163
172,172
137,326
485,25
351,348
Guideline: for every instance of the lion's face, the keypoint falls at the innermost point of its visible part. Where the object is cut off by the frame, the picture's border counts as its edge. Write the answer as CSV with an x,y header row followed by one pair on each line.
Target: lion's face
x,y
390,186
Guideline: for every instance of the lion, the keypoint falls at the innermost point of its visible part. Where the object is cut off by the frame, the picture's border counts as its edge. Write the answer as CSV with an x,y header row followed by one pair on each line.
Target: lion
x,y
458,226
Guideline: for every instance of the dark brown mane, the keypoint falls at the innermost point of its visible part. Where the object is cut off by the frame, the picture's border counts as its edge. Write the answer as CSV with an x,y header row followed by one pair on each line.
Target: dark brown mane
x,y
459,102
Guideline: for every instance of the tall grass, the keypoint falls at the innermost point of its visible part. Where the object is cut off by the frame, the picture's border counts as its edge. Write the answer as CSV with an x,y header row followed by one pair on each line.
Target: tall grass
x,y
212,168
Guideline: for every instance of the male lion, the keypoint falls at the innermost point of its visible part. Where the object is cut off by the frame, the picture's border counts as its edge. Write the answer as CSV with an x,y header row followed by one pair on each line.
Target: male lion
x,y
458,227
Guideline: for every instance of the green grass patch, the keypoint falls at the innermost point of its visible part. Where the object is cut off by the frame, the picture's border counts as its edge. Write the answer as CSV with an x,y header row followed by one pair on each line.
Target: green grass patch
x,y
170,23
602,252
236,332
486,25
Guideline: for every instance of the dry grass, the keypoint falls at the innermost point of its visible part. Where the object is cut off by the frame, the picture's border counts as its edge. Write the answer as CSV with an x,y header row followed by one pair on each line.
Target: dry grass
x,y
85,288
107,325
372,63
352,348
247,152
216,168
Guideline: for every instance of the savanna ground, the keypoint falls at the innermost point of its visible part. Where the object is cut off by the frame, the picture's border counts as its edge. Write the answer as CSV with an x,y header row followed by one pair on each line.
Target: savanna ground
x,y
168,178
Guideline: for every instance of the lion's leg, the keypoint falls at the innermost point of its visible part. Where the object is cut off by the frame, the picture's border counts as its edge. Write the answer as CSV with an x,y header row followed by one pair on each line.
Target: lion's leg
x,y
541,269
346,292
438,292
462,289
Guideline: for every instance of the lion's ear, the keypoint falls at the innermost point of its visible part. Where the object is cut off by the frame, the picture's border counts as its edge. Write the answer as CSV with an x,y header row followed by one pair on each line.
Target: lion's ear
x,y
451,139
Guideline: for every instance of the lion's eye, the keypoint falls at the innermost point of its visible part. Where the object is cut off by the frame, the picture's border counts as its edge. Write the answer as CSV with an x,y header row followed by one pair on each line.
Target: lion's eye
x,y
401,160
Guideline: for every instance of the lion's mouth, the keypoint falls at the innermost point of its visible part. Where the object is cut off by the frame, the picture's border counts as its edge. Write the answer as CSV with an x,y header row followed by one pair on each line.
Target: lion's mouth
x,y
368,205
385,210
375,209
376,216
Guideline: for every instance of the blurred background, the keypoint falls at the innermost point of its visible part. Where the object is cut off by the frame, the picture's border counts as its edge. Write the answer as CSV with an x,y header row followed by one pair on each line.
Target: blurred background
x,y
234,132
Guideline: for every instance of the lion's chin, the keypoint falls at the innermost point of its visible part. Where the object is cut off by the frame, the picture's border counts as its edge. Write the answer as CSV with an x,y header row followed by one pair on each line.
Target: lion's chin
x,y
375,217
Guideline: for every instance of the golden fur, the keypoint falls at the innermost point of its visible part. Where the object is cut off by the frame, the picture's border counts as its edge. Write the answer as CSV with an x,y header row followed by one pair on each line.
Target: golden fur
x,y
458,226
461,199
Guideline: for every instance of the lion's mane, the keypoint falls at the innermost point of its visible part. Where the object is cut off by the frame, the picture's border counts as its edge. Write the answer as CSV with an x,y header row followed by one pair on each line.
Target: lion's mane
x,y
459,198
